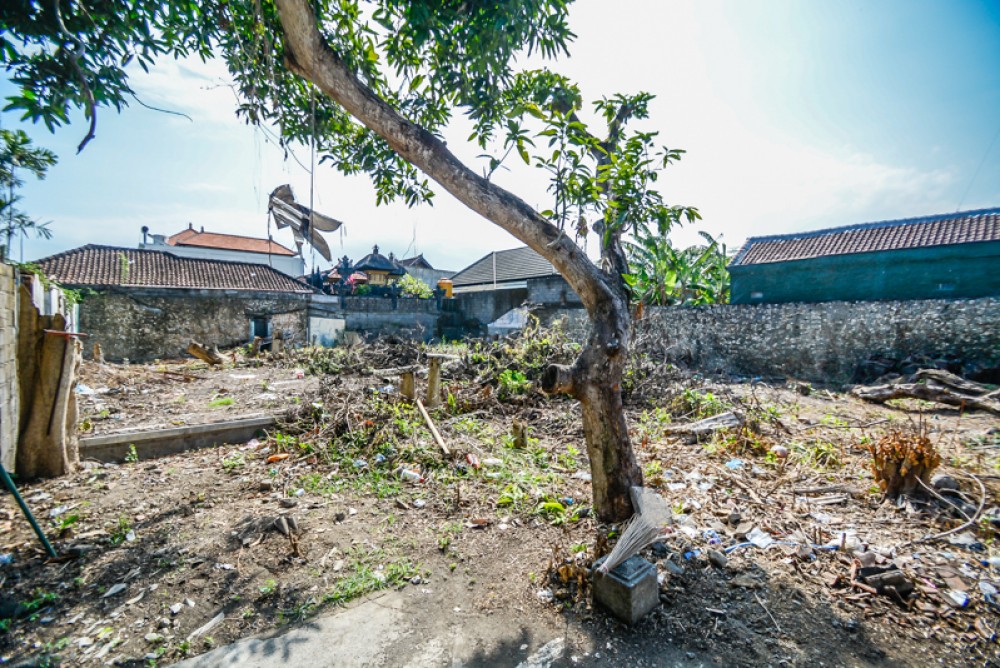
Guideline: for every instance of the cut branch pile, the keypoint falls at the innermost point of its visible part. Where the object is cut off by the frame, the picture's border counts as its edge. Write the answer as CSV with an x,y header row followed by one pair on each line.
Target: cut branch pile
x,y
937,386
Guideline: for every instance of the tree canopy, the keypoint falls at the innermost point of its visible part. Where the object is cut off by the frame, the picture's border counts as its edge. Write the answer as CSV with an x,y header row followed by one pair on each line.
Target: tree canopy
x,y
373,85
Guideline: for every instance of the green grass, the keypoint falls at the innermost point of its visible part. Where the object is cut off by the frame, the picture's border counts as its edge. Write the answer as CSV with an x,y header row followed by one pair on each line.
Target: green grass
x,y
220,401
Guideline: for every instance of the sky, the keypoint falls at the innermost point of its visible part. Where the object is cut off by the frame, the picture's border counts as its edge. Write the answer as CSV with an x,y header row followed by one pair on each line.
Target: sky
x,y
795,114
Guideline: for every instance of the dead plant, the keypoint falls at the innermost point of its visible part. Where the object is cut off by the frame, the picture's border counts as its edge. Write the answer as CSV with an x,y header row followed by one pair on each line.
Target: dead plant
x,y
902,458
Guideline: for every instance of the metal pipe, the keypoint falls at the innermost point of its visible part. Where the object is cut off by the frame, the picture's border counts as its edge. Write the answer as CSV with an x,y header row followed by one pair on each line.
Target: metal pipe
x,y
9,484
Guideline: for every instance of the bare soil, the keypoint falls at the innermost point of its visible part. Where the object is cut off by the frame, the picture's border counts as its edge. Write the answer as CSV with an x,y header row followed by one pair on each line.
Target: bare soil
x,y
152,551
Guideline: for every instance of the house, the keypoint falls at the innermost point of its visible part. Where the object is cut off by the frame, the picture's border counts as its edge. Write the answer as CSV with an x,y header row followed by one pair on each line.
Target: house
x,y
503,280
141,304
232,247
419,268
953,255
379,269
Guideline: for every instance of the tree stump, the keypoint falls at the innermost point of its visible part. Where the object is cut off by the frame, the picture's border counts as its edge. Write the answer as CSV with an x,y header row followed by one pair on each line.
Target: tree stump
x,y
212,357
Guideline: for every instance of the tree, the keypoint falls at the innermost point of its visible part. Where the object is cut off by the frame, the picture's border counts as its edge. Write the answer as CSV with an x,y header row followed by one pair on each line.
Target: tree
x,y
18,153
372,84
662,275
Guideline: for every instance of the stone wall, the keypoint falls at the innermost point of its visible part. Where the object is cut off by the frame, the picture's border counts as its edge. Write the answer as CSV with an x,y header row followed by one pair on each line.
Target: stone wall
x,y
823,342
142,324
8,367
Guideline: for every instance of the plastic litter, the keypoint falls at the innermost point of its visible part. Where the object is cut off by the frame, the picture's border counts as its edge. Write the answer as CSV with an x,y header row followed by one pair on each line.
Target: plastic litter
x,y
711,536
6,559
957,598
360,464
84,390
380,458
760,538
492,462
734,464
410,475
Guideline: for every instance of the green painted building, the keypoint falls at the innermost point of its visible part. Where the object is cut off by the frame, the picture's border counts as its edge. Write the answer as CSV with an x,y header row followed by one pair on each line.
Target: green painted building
x,y
936,257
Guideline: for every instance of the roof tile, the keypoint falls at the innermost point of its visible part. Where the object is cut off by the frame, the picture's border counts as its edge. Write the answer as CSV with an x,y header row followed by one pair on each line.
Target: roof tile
x,y
948,229
516,264
95,265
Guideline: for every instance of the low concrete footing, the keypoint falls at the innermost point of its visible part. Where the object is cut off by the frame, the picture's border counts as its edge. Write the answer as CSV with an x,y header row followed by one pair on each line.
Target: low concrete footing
x,y
630,591
161,442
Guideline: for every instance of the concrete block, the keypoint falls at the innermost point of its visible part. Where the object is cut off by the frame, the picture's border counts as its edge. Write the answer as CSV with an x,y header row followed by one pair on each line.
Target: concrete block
x,y
630,591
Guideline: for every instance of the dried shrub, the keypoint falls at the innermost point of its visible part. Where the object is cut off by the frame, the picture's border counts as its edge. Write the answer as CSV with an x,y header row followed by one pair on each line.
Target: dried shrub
x,y
902,458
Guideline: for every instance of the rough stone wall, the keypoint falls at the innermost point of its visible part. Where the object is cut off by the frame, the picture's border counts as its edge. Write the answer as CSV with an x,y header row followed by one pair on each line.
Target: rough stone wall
x,y
822,342
8,367
146,324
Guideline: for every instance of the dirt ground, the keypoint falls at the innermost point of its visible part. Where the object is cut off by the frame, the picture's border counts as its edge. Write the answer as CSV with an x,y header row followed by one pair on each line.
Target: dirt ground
x,y
167,558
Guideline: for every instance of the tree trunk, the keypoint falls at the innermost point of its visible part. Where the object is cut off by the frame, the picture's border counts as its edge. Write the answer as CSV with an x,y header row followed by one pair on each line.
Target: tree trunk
x,y
595,378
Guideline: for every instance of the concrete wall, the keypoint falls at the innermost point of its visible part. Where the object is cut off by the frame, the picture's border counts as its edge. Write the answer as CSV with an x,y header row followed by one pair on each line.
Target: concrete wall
x,y
939,272
486,306
8,367
551,290
822,342
148,323
370,316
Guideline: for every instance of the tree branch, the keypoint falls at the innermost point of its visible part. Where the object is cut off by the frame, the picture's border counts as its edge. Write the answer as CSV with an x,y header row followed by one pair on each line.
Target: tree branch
x,y
308,55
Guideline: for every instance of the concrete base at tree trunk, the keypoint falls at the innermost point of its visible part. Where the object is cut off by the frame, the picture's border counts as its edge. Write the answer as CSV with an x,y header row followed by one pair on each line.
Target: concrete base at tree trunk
x,y
630,591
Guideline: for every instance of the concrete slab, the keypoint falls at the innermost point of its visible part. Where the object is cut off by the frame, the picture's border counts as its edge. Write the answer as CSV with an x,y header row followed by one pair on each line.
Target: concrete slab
x,y
161,442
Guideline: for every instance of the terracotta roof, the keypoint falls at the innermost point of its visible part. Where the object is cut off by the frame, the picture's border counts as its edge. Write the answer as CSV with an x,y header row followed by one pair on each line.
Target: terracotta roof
x,y
942,230
192,237
516,264
95,265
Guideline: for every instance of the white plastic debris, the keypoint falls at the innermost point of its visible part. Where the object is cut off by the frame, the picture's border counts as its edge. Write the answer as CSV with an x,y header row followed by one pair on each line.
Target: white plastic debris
x,y
760,538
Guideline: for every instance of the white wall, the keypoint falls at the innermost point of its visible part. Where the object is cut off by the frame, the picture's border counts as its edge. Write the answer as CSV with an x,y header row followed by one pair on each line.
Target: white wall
x,y
294,266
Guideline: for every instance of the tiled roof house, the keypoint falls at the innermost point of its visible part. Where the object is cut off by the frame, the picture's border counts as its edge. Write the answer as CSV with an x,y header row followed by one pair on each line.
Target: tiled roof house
x,y
231,247
945,256
147,304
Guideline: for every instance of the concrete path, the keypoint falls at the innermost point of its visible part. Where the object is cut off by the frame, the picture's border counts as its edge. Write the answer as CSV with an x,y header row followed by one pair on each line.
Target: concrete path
x,y
413,628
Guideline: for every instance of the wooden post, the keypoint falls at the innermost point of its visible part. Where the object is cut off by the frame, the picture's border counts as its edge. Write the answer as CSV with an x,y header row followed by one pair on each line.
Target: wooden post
x,y
433,381
277,342
519,434
98,353
407,386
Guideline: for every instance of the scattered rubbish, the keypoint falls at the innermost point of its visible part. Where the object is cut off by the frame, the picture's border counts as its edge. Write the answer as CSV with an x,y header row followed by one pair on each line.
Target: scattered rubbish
x,y
734,464
760,539
299,374
409,475
779,451
84,390
176,608
958,599
419,503
886,581
583,475
711,536
492,462
6,559
299,492
281,456
114,589
545,595
212,623
224,567
380,458
473,461
360,464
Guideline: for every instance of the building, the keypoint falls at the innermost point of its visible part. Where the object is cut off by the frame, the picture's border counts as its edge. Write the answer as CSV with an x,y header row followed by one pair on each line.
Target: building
x,y
947,256
230,247
146,304
419,268
379,269
504,280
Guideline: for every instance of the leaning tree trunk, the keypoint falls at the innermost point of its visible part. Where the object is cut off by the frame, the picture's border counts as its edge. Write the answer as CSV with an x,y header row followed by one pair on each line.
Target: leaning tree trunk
x,y
595,378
